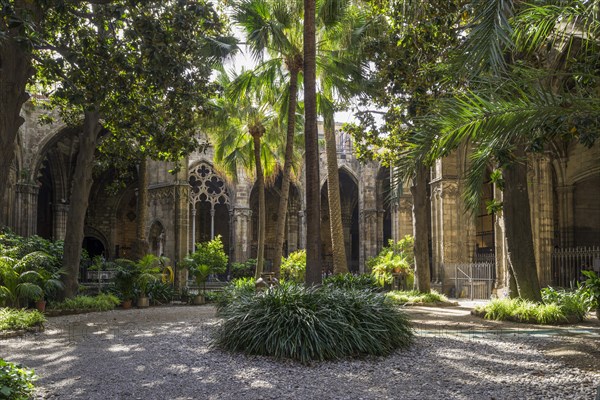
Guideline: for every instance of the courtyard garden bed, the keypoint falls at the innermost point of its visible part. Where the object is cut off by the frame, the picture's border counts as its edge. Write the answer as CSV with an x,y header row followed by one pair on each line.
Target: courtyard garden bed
x,y
416,298
15,322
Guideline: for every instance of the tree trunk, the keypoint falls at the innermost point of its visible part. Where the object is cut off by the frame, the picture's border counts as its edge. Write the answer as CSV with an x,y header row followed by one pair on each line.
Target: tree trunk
x,y
287,170
340,262
519,240
311,148
260,183
15,70
141,247
420,230
80,193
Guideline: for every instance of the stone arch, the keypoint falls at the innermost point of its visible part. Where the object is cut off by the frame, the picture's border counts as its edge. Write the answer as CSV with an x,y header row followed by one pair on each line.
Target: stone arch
x,y
95,243
210,204
293,229
52,169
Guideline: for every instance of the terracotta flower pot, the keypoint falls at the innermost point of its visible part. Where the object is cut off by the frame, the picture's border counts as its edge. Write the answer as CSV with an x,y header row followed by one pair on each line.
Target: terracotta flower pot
x,y
143,302
41,305
126,304
199,299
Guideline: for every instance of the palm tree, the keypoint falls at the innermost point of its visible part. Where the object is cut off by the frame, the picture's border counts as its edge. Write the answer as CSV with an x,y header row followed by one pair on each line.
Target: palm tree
x,y
508,112
243,117
311,149
340,75
273,27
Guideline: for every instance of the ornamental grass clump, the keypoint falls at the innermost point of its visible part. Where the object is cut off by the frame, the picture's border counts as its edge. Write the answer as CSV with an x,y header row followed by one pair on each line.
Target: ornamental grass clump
x,y
12,319
101,302
313,324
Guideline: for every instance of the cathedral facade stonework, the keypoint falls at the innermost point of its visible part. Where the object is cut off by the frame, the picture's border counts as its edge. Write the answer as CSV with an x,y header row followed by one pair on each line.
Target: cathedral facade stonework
x,y
198,203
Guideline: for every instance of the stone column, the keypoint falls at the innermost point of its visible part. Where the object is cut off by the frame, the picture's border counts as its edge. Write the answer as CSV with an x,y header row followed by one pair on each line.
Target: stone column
x,y
26,209
181,227
404,217
542,223
241,234
566,215
292,231
302,229
60,211
368,229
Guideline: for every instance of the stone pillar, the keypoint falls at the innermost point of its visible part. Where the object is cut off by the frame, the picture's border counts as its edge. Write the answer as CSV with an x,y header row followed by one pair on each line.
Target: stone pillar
x,y
60,211
347,226
368,224
541,202
566,215
292,231
181,227
302,229
241,234
404,217
26,209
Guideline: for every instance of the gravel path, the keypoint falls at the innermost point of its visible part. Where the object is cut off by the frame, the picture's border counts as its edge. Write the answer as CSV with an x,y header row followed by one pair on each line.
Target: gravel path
x,y
164,353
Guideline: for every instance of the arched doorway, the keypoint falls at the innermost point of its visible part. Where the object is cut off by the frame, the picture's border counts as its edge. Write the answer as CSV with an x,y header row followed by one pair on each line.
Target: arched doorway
x,y
94,247
209,203
292,227
385,197
349,205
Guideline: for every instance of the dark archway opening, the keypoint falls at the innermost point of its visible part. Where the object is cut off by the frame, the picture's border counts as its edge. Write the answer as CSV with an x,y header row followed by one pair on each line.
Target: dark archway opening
x,y
94,247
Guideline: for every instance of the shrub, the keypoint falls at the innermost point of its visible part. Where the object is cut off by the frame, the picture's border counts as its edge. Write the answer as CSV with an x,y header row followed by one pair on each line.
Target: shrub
x,y
160,292
312,324
16,382
572,302
520,310
293,268
394,258
212,254
349,281
14,319
243,270
101,302
238,288
416,297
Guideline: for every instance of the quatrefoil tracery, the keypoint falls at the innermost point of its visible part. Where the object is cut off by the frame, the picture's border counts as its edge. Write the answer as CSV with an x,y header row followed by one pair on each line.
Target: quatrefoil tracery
x,y
207,186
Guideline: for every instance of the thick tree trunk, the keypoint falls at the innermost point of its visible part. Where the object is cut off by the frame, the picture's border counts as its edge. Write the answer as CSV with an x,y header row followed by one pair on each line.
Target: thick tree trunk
x,y
80,193
311,148
519,239
260,186
420,230
15,70
340,262
287,170
141,247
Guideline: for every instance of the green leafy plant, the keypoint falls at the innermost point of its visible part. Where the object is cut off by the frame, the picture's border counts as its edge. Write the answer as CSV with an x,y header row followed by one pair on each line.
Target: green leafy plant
x,y
241,287
26,279
101,302
125,277
160,292
415,297
592,286
312,324
148,271
243,270
293,268
350,281
211,254
396,257
18,319
16,382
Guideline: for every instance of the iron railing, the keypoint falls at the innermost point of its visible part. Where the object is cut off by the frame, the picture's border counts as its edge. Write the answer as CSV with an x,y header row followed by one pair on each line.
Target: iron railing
x,y
470,280
568,263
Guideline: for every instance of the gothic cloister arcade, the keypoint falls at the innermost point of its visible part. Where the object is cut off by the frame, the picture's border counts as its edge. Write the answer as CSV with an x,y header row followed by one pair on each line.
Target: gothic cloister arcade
x,y
564,186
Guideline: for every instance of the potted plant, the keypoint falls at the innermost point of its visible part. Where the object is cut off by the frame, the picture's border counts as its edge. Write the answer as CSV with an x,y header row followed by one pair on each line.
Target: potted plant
x,y
592,284
50,284
125,278
209,258
200,272
148,271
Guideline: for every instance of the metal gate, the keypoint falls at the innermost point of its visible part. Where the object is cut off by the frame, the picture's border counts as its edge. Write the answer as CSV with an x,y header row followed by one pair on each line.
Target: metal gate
x,y
471,280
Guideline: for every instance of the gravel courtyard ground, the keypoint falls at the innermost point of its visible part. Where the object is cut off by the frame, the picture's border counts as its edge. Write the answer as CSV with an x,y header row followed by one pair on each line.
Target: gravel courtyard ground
x,y
164,353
